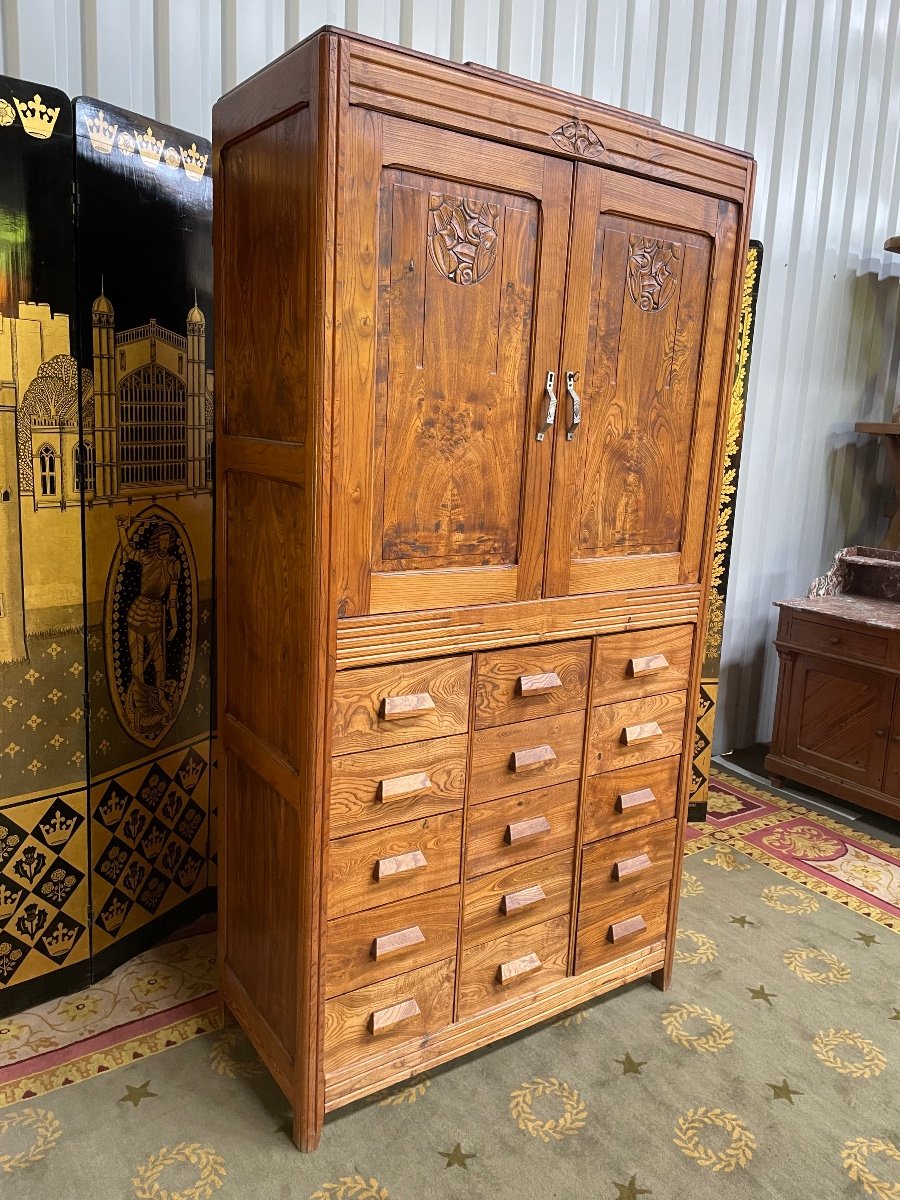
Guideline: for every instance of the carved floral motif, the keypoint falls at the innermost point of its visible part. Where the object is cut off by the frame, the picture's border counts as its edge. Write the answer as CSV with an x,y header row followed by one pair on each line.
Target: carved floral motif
x,y
578,138
652,272
462,237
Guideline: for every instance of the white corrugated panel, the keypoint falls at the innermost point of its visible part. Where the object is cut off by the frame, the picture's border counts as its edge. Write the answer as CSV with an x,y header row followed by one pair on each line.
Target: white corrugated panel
x,y
811,88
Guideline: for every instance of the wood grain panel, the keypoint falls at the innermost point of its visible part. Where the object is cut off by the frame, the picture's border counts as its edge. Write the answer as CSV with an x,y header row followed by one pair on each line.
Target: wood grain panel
x,y
643,663
381,787
630,798
545,946
599,941
492,773
516,685
484,916
608,749
348,1038
609,876
487,838
357,723
350,961
353,862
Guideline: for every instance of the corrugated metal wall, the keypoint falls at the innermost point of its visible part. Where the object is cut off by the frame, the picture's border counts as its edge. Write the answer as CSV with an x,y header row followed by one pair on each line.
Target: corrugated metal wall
x,y
811,87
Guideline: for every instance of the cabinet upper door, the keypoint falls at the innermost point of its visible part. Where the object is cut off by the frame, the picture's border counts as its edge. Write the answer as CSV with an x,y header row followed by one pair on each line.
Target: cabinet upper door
x,y
450,274
647,305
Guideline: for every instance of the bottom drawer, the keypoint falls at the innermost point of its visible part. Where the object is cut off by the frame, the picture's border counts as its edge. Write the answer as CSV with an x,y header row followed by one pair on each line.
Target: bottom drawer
x,y
514,965
609,932
388,1013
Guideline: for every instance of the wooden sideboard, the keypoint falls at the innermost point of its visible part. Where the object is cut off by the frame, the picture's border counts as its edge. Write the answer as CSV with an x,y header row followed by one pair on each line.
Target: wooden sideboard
x,y
837,717
474,349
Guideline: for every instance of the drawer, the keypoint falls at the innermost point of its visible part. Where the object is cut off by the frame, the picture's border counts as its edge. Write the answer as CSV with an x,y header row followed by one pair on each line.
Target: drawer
x,y
375,1018
531,681
625,865
381,787
369,946
636,731
518,828
838,639
368,869
513,966
630,798
523,757
643,663
399,703
631,924
515,897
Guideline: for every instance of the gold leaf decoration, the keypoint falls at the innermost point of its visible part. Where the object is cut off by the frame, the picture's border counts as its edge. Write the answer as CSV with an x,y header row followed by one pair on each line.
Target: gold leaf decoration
x,y
351,1187
796,960
224,1061
873,1060
721,1033
855,1155
210,1165
406,1093
687,1138
45,1128
775,895
725,857
554,1128
705,948
691,885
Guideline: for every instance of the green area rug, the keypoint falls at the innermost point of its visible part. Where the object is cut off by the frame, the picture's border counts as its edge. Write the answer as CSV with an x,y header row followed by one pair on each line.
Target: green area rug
x,y
770,1069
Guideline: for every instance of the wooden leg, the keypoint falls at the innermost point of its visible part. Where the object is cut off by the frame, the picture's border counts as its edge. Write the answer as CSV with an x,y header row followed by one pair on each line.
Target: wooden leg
x,y
662,978
307,1133
776,780
225,1014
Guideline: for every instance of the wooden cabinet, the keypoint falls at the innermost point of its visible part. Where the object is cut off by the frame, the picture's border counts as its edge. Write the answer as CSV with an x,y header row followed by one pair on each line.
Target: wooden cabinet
x,y
837,722
474,351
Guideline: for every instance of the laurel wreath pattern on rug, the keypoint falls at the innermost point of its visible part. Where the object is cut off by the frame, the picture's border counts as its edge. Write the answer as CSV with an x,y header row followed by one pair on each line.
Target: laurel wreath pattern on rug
x,y
225,1062
406,1093
706,949
855,1156
573,1018
796,960
351,1187
46,1130
572,1121
687,1138
691,885
775,895
873,1060
720,1035
725,857
210,1165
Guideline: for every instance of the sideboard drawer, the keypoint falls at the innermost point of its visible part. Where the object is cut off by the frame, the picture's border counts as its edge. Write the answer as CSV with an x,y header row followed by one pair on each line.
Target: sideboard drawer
x,y
625,865
630,798
531,681
645,662
636,731
517,896
401,702
368,869
515,829
611,931
839,639
514,965
377,943
381,787
518,758
386,1014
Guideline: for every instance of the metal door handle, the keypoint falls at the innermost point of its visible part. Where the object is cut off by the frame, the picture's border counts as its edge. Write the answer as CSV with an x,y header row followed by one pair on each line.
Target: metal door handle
x,y
576,404
551,405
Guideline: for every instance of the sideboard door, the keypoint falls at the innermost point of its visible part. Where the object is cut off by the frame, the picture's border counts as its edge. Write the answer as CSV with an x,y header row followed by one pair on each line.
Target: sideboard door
x,y
651,269
450,314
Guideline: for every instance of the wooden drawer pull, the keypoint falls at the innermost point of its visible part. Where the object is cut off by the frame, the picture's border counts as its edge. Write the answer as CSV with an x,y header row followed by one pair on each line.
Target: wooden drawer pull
x,y
632,734
400,786
514,902
634,799
531,759
384,1018
401,939
647,666
631,866
410,861
401,708
624,929
538,685
517,831
526,965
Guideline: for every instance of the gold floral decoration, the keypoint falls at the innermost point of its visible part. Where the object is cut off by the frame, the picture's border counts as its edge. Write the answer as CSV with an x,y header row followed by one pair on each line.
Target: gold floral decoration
x,y
570,1123
804,841
7,114
775,895
210,1165
725,857
407,1093
873,1060
796,960
705,948
687,1138
45,1128
720,1035
855,1155
691,885
225,1062
351,1187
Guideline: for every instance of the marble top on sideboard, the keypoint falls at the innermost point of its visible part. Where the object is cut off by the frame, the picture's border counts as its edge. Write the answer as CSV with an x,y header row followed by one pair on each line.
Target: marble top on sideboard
x,y
885,614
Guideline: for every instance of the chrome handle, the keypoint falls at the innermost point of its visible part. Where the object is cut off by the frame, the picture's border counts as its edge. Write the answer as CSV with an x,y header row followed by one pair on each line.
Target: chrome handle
x,y
551,405
571,376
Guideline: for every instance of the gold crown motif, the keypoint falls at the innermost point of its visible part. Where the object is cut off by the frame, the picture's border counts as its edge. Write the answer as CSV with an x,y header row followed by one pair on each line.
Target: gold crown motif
x,y
190,773
112,810
37,119
101,133
153,842
8,900
60,941
194,162
114,914
58,829
149,147
188,873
